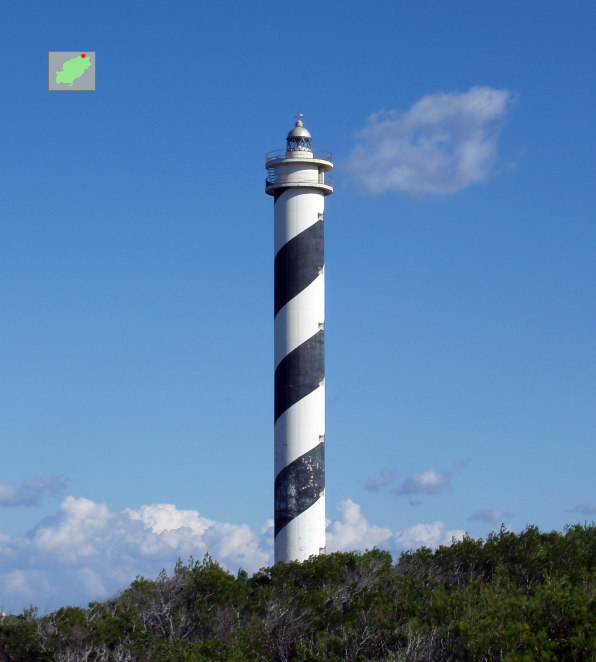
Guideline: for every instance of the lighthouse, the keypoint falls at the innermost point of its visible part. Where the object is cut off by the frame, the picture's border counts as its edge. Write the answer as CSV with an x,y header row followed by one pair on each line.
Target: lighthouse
x,y
298,181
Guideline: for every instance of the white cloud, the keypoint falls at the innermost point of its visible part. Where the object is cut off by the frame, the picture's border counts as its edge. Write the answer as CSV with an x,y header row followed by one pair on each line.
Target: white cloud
x,y
72,534
31,492
586,508
489,515
429,535
88,552
428,482
444,143
386,477
353,531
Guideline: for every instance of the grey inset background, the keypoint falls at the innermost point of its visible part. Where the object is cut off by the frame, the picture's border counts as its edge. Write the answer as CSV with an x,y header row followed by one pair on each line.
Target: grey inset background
x,y
55,61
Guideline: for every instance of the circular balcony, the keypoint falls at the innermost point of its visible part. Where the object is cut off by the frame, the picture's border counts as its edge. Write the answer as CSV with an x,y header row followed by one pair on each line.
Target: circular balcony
x,y
298,155
273,182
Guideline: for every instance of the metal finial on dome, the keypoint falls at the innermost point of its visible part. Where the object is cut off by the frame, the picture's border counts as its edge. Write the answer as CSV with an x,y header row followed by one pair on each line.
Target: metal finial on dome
x,y
299,118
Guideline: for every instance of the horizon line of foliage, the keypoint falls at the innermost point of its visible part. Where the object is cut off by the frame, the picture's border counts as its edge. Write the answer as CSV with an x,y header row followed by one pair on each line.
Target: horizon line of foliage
x,y
515,597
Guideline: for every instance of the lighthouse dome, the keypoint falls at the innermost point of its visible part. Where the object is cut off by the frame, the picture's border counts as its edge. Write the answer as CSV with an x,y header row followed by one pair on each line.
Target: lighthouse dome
x,y
299,131
299,138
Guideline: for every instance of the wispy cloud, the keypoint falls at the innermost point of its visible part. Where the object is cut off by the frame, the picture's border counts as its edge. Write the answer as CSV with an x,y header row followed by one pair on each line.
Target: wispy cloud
x,y
31,492
88,552
444,143
386,477
489,515
585,508
428,482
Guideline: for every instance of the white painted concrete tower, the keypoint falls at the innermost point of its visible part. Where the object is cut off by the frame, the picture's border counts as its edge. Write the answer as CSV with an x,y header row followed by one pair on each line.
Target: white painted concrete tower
x,y
297,179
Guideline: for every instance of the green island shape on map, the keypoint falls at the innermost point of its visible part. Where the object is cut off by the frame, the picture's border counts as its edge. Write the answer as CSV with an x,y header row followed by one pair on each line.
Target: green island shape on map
x,y
72,69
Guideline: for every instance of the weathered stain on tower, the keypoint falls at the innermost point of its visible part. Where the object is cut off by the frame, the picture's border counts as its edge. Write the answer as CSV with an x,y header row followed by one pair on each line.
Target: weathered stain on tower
x,y
297,179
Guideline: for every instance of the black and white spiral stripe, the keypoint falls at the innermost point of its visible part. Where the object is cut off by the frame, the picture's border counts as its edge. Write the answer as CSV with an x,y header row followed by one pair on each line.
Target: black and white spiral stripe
x,y
300,368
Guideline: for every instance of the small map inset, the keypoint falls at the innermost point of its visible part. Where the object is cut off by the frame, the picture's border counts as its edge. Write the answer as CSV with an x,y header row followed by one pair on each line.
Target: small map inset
x,y
71,70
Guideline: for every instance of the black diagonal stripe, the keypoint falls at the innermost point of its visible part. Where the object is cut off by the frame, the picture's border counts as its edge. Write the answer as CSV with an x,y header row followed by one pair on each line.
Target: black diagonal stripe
x,y
299,373
277,193
299,485
298,263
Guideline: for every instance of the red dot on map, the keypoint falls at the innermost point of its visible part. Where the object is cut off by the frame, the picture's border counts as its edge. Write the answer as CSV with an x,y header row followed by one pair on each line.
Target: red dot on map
x,y
83,55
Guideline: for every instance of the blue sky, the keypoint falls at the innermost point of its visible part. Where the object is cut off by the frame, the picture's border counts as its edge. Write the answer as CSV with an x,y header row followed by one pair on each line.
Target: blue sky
x,y
136,240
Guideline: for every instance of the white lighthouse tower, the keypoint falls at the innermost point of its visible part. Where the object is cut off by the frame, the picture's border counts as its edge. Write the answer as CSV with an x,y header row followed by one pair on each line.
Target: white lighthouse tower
x,y
297,180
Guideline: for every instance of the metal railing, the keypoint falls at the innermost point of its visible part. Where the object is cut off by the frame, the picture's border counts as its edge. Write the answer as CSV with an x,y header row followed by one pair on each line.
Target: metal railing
x,y
298,154
272,180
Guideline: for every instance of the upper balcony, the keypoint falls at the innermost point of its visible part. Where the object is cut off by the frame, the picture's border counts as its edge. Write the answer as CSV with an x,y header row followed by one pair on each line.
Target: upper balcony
x,y
298,155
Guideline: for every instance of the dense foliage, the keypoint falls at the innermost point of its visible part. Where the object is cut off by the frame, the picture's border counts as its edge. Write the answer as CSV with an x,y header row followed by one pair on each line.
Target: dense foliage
x,y
515,597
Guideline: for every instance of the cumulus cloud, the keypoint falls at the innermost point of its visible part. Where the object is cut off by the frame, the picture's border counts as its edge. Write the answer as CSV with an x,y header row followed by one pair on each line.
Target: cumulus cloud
x,y
353,531
386,477
427,535
88,552
489,515
428,482
31,492
585,508
444,143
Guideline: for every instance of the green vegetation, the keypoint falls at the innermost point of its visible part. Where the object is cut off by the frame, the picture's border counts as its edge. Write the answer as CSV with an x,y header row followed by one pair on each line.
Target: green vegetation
x,y
513,597
72,69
